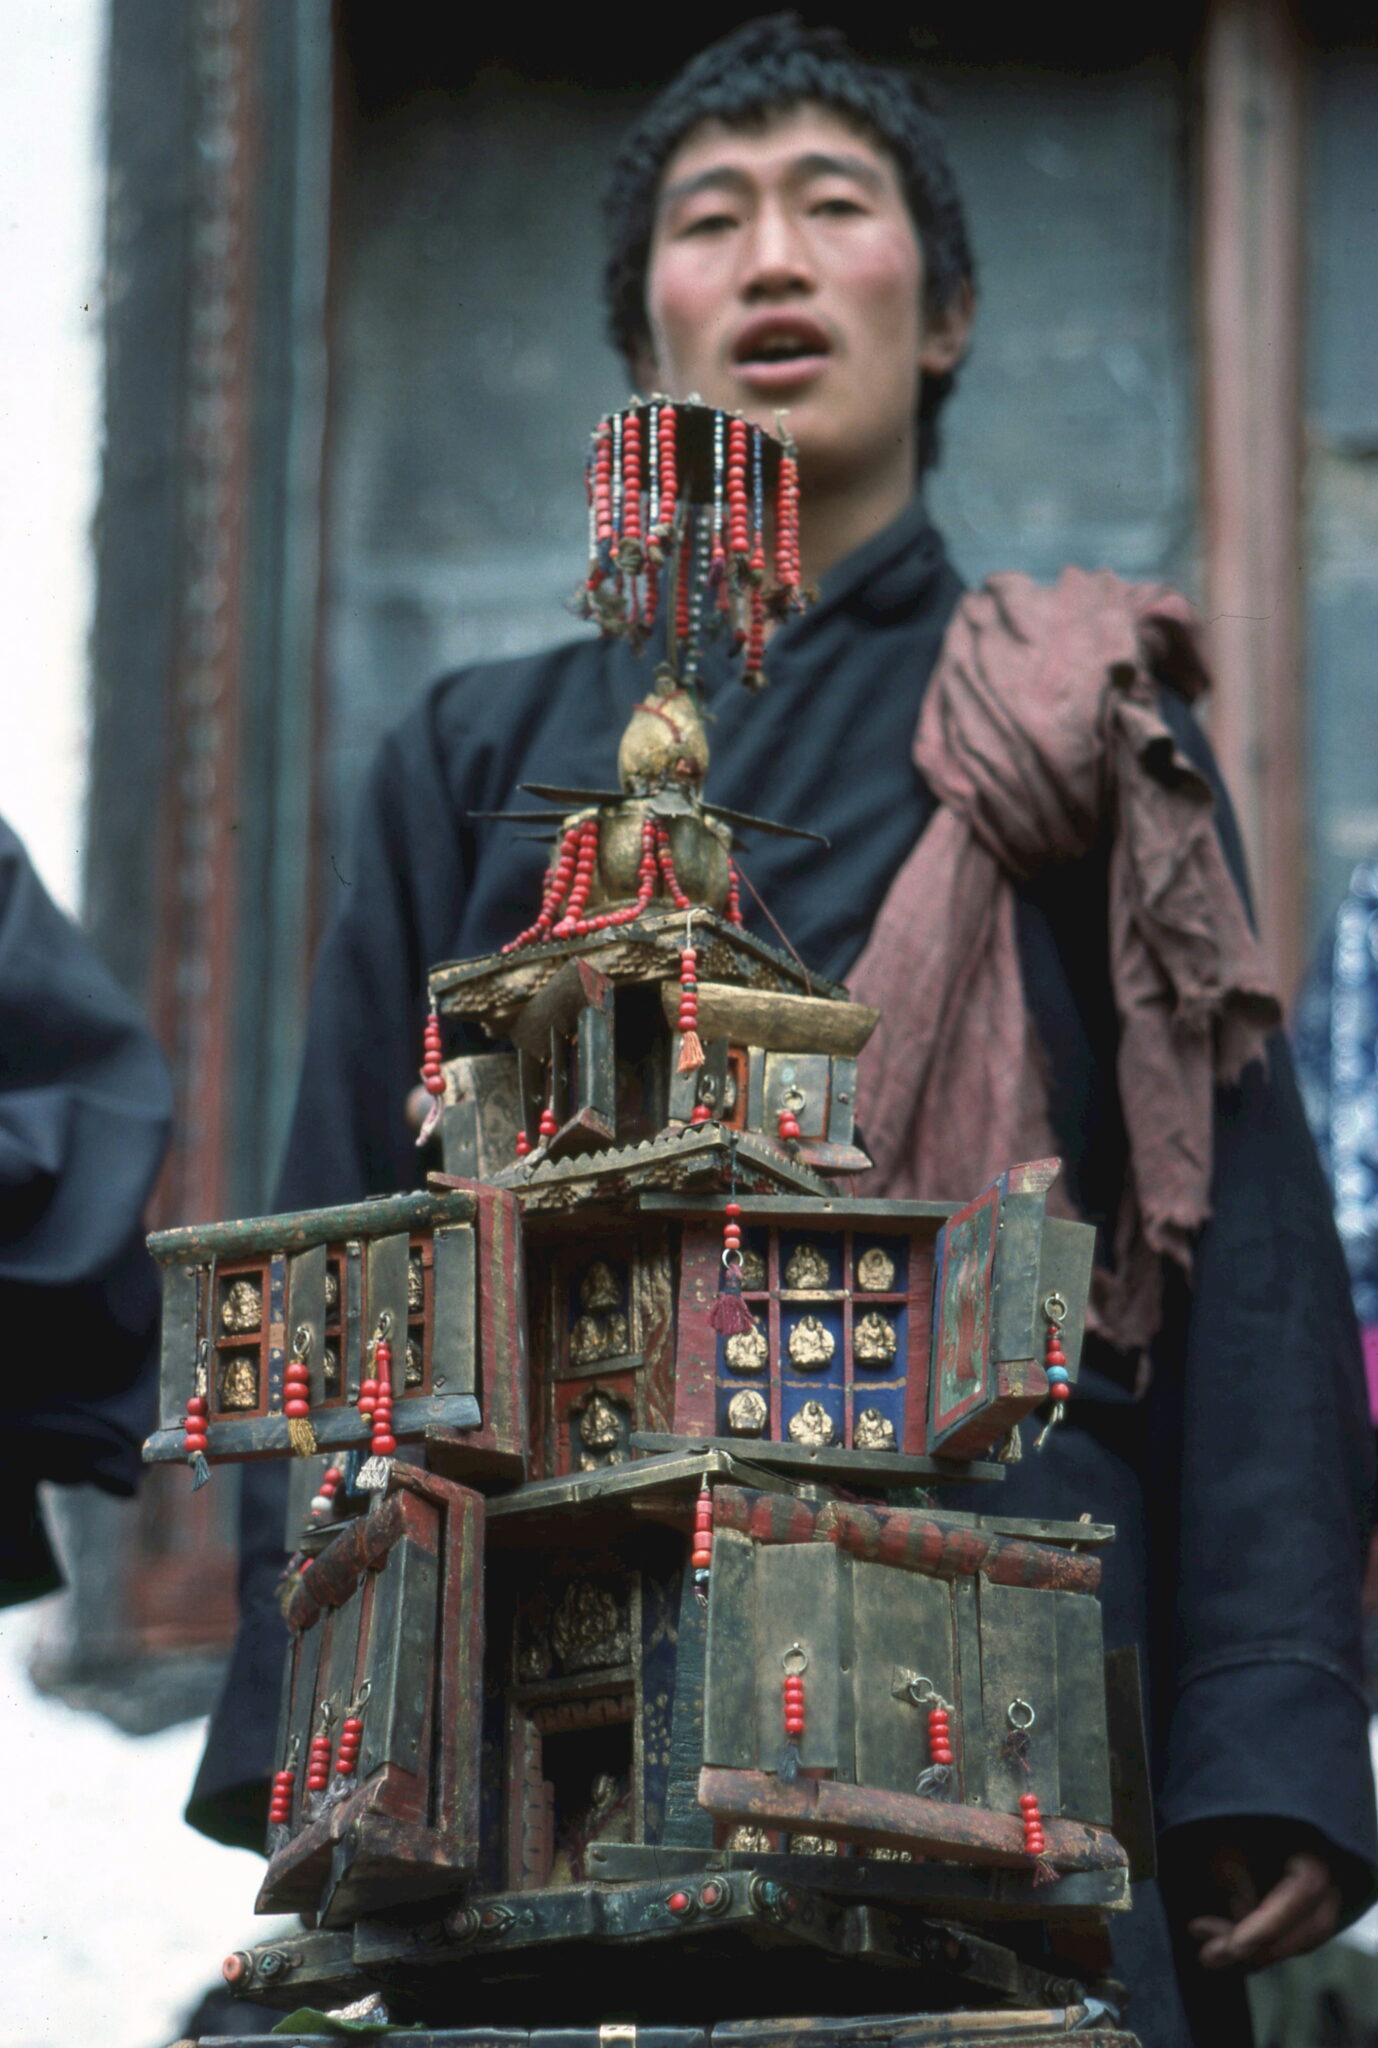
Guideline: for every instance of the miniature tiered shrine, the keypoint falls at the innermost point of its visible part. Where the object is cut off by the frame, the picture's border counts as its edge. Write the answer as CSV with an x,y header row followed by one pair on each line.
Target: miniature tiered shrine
x,y
638,1676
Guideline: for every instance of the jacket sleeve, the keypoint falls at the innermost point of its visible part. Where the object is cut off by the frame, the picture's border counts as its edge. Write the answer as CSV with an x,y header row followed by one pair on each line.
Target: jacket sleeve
x,y
85,1107
401,891
1266,1399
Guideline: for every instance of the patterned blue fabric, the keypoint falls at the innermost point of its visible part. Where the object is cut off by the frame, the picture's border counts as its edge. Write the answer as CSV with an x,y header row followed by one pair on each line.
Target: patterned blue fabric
x,y
1336,1036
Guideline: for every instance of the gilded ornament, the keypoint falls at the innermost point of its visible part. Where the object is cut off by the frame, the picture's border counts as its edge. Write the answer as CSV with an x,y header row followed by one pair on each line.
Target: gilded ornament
x,y
812,1845
753,1272
330,1369
747,1413
590,1630
887,1855
874,1339
242,1308
616,1337
811,1346
875,1271
749,1351
416,1287
604,1431
414,1373
750,1840
874,1432
238,1381
598,1289
807,1268
811,1424
332,1291
587,1341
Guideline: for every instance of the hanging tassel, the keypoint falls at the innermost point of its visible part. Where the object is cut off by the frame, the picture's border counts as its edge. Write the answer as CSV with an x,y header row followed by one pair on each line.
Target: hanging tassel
x,y
296,1389
938,1775
690,1044
196,1441
432,1077
729,1314
318,1757
796,1663
351,1741
1055,1365
280,1803
1021,1718
375,1401
701,1556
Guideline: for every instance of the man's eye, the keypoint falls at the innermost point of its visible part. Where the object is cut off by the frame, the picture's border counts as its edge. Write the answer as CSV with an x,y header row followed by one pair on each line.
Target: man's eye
x,y
709,224
837,206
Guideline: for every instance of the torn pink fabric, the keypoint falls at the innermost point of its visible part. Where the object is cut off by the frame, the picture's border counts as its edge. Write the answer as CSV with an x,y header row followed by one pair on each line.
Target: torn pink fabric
x,y
1041,725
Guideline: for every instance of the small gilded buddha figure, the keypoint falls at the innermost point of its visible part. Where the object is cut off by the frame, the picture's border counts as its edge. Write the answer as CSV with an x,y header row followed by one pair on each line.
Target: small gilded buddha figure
x,y
242,1309
812,1424
603,1433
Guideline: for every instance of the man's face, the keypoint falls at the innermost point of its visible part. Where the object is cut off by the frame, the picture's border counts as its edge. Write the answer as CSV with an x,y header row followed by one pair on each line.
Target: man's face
x,y
786,272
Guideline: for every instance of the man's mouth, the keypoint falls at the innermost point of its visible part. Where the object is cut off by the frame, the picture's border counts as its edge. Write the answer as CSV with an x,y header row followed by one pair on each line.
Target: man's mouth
x,y
780,351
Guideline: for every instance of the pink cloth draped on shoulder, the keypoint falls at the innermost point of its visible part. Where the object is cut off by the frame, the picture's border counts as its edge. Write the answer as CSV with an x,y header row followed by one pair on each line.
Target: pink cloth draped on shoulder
x,y
1041,737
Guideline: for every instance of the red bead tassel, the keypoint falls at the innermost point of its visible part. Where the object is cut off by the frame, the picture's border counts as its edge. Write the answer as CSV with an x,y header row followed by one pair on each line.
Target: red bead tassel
x,y
1035,1842
753,673
602,497
734,894
318,1758
669,484
794,1714
281,1801
556,888
572,924
432,1075
666,863
296,1400
196,1441
630,554
729,1315
701,1555
1055,1366
351,1739
323,1499
939,1770
738,512
787,565
375,1402
690,1044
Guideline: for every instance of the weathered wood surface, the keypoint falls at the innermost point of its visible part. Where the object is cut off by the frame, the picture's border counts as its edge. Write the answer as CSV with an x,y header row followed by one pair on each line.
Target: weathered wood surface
x,y
295,1229
880,1819
829,1461
912,1539
775,1021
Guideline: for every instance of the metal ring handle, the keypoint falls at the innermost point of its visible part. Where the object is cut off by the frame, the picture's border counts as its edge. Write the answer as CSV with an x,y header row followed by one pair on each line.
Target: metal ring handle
x,y
795,1650
1021,1715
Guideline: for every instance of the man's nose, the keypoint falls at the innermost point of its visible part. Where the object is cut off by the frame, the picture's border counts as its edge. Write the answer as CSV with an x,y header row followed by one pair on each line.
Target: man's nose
x,y
776,261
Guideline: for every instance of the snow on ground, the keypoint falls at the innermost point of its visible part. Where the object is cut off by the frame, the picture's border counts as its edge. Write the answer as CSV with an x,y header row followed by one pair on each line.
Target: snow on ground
x,y
114,1915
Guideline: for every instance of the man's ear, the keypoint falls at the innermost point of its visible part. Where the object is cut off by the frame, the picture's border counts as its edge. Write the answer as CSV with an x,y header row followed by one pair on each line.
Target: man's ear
x,y
947,332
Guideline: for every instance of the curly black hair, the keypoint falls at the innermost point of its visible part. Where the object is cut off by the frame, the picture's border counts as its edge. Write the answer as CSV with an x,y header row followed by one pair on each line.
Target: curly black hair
x,y
764,68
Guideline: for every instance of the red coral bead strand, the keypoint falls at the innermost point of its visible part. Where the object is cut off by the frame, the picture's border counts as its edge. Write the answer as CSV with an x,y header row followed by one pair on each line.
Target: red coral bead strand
x,y
666,429
666,863
738,504
690,1044
701,1554
630,554
318,1760
323,1499
734,894
196,1439
432,1074
383,1443
787,565
1035,1842
283,1793
939,1736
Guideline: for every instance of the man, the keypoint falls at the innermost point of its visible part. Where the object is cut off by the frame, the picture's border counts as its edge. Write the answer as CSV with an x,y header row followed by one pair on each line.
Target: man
x,y
786,232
